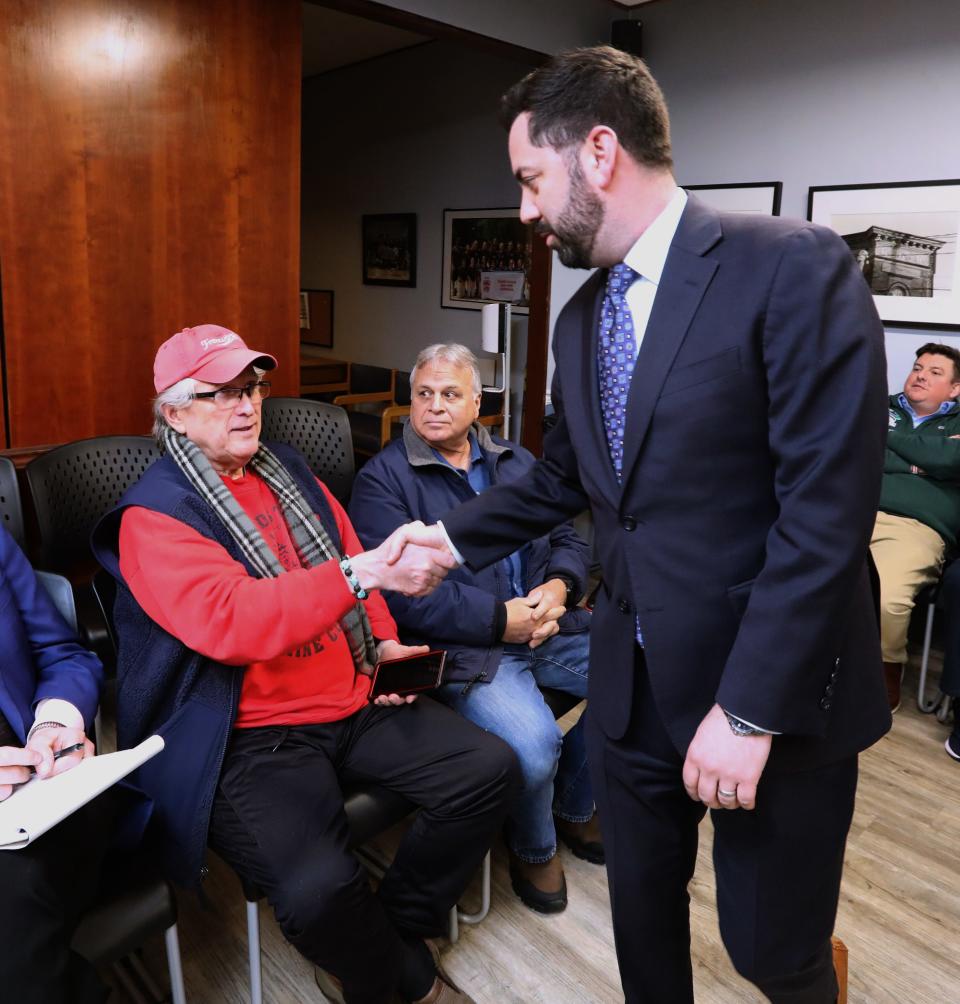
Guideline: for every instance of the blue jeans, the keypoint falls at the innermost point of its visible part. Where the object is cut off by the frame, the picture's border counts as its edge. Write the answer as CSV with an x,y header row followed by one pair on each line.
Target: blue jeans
x,y
554,767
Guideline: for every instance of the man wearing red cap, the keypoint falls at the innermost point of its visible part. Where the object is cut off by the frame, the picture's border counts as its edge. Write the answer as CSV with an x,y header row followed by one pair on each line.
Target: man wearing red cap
x,y
248,620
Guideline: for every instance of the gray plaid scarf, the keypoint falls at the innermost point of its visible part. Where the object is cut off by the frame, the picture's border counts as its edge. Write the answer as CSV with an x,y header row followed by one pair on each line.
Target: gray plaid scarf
x,y
310,538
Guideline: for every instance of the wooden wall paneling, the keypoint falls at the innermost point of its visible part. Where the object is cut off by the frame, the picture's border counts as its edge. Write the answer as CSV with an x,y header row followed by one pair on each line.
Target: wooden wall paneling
x,y
149,178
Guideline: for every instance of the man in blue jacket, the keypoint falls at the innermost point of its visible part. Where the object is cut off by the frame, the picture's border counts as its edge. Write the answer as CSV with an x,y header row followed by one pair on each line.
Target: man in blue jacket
x,y
506,628
49,690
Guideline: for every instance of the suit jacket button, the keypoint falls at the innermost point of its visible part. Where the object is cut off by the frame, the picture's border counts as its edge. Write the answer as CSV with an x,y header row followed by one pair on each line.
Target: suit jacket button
x,y
623,606
825,703
629,524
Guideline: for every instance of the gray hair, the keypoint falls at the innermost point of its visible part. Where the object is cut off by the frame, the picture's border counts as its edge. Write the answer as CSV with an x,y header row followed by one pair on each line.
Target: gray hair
x,y
453,354
179,395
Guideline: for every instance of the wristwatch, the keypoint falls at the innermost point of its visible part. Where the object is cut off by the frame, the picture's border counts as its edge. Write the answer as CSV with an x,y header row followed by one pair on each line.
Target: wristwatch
x,y
741,728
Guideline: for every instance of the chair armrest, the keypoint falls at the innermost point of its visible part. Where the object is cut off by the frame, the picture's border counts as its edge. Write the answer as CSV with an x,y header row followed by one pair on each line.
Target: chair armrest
x,y
380,395
387,417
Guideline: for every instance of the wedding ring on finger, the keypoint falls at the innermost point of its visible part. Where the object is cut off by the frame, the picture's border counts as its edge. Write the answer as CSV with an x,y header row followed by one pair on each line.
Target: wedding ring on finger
x,y
726,794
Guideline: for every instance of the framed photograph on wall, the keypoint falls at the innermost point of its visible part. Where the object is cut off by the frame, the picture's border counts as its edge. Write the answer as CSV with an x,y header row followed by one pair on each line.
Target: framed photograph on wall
x,y
748,197
316,317
390,249
903,236
486,256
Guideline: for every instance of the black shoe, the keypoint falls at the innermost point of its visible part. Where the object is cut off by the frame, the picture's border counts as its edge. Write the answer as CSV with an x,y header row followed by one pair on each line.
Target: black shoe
x,y
586,850
538,899
893,677
952,745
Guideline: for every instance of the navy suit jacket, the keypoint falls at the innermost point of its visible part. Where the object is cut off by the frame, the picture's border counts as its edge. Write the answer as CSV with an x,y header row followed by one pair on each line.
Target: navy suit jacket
x,y
754,450
40,655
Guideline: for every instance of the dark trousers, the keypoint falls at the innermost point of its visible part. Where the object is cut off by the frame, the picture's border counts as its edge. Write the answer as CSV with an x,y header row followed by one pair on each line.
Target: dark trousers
x,y
777,867
278,820
44,889
950,600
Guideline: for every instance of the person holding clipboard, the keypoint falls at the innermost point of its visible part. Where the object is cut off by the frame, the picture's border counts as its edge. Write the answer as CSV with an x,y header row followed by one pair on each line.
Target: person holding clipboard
x,y
49,691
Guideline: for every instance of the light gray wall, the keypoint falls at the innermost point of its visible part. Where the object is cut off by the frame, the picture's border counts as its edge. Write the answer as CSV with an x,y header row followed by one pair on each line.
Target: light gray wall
x,y
825,92
542,25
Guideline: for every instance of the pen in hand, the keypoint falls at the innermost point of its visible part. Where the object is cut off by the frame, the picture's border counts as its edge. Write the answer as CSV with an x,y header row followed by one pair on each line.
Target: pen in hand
x,y
66,751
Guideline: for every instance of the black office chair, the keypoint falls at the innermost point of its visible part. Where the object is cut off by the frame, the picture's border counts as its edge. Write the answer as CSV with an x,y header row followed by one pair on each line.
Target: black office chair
x,y
133,902
320,431
11,512
72,487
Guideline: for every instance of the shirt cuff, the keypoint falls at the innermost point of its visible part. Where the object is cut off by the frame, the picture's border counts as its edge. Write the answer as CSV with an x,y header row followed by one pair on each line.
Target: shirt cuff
x,y
55,709
499,622
446,537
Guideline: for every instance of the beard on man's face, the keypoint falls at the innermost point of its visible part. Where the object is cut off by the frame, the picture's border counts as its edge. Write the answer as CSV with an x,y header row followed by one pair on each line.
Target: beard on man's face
x,y
578,223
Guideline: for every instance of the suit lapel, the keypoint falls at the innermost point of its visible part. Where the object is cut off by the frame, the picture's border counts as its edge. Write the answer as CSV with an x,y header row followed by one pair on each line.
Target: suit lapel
x,y
684,281
590,305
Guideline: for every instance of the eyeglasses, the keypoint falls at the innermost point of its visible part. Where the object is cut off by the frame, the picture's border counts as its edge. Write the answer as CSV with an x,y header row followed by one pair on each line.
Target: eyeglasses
x,y
229,397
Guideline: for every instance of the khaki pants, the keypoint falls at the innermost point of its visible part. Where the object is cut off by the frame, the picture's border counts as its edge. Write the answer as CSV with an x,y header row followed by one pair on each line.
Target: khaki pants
x,y
908,555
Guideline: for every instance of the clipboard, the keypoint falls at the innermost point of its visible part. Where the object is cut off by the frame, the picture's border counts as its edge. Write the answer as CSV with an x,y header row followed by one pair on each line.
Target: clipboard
x,y
41,803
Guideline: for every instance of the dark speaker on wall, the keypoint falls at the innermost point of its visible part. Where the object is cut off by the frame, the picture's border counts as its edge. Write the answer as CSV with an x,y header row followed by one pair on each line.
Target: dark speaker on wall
x,y
627,35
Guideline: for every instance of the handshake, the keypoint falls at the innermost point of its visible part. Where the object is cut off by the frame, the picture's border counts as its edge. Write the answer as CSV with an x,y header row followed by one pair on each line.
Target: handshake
x,y
413,560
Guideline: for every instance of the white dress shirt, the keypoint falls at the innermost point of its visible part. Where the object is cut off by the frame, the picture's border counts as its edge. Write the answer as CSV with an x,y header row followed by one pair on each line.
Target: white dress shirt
x,y
647,257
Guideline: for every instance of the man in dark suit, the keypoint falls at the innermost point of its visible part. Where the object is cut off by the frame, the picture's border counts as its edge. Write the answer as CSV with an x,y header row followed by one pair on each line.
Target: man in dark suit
x,y
720,393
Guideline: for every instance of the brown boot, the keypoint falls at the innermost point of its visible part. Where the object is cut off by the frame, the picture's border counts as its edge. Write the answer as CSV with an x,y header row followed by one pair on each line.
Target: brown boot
x,y
542,887
444,990
584,839
893,675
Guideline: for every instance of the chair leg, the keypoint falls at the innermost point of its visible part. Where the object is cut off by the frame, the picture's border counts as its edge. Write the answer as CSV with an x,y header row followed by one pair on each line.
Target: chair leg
x,y
174,966
840,966
253,950
475,918
453,926
126,978
922,703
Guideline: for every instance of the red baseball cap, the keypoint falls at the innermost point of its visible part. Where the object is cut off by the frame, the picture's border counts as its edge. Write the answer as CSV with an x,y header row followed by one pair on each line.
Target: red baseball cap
x,y
207,352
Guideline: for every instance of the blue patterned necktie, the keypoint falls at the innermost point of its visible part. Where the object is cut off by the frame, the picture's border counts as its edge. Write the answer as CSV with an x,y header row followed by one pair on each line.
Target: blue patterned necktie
x,y
618,355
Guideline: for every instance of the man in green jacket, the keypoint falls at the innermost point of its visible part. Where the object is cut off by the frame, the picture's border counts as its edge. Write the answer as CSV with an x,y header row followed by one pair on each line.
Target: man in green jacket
x,y
920,499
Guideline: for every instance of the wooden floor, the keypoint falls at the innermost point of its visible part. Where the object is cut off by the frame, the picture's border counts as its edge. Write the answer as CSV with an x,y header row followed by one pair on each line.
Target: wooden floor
x,y
899,910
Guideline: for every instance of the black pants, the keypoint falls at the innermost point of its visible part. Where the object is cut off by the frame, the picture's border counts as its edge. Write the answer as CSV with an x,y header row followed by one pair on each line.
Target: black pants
x,y
278,820
950,599
777,867
43,890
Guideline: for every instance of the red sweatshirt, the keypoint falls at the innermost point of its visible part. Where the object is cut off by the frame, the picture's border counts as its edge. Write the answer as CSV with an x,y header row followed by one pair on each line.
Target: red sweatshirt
x,y
286,630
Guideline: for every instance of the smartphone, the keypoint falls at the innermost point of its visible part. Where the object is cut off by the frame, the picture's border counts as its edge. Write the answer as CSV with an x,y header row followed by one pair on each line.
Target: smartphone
x,y
409,675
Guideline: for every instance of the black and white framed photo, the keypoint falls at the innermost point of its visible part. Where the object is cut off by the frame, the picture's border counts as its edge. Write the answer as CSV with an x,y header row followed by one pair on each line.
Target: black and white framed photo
x,y
390,249
746,197
486,256
903,236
